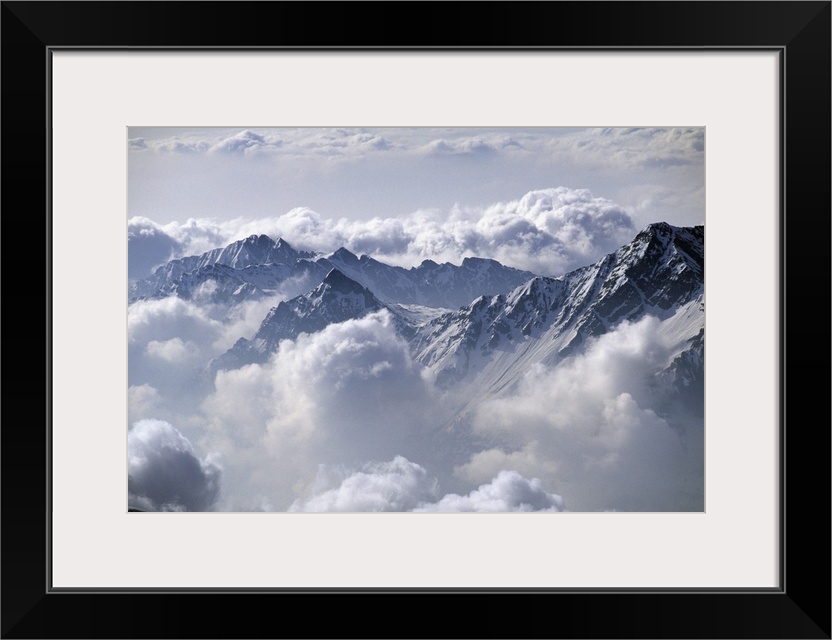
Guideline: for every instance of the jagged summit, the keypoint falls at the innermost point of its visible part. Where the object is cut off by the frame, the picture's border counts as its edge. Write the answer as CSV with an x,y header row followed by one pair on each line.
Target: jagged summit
x,y
245,269
429,284
343,254
337,281
257,266
665,234
494,339
336,299
261,238
662,226
473,261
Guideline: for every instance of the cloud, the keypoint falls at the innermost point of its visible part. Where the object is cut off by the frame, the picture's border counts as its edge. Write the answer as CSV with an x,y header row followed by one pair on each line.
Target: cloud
x,y
173,350
168,318
288,143
175,145
490,462
142,401
585,427
164,472
645,147
346,394
620,147
548,231
509,491
401,485
337,142
470,146
148,246
170,344
243,143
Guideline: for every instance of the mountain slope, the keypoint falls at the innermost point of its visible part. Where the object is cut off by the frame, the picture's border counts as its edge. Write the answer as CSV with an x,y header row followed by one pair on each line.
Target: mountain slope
x,y
257,266
246,269
336,299
430,284
492,341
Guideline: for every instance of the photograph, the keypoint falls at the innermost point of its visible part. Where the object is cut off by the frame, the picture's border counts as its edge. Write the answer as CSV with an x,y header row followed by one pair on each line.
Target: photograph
x,y
418,319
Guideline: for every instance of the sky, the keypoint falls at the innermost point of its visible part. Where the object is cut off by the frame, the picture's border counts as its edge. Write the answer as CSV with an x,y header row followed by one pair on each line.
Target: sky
x,y
190,190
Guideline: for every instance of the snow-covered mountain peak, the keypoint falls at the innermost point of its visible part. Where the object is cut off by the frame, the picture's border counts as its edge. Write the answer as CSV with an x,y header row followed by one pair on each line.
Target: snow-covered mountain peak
x,y
493,339
667,233
336,282
261,239
345,256
678,250
336,299
539,292
257,266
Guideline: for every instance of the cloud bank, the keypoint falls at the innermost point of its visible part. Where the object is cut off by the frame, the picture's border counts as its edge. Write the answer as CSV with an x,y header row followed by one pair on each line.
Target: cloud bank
x,y
549,232
618,146
170,343
653,173
627,147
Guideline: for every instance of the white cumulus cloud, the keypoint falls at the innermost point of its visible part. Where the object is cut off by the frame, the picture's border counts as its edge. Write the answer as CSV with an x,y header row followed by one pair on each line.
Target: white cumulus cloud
x,y
401,485
508,491
343,395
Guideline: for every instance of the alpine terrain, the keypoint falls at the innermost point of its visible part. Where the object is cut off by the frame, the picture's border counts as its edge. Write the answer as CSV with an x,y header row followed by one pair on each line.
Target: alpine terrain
x,y
496,349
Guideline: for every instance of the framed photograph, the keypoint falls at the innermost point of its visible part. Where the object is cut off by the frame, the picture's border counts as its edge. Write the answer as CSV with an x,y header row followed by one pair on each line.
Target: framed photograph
x,y
418,287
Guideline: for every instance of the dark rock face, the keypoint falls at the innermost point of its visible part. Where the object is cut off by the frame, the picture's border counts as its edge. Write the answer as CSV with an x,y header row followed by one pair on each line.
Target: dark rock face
x,y
430,284
336,299
257,266
660,270
244,270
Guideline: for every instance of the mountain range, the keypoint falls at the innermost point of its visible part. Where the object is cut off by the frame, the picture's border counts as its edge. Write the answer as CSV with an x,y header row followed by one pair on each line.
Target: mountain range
x,y
481,322
478,328
258,266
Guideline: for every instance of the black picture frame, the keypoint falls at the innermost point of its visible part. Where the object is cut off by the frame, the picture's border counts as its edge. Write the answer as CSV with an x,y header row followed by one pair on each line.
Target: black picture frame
x,y
799,608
